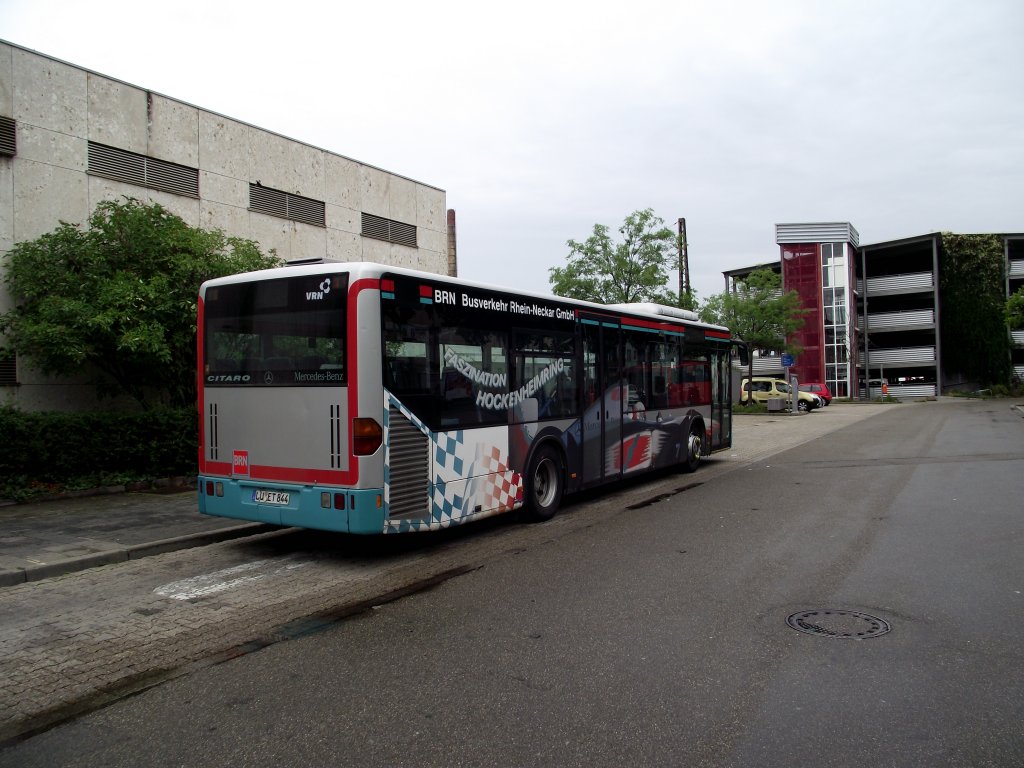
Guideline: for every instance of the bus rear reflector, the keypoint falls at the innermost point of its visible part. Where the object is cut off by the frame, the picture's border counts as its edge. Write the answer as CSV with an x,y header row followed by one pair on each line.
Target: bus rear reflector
x,y
367,436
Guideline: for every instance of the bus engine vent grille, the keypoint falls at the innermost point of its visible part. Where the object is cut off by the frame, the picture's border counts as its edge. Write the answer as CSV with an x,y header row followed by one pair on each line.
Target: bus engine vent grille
x,y
408,467
337,427
212,436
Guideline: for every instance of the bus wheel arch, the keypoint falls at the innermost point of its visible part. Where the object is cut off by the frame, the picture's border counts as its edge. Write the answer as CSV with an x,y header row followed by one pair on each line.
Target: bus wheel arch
x,y
544,483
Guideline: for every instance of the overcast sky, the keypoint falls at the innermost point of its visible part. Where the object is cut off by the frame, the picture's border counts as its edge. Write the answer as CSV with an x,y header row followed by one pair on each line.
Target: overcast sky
x,y
540,119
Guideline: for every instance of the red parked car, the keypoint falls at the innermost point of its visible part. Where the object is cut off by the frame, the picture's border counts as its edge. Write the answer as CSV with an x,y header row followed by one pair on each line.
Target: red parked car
x,y
819,389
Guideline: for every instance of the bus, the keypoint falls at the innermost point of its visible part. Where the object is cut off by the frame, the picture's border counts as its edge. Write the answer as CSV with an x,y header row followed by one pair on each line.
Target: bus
x,y
371,399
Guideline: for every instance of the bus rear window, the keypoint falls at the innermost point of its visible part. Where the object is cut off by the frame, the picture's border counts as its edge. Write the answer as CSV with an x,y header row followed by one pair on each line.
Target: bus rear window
x,y
284,332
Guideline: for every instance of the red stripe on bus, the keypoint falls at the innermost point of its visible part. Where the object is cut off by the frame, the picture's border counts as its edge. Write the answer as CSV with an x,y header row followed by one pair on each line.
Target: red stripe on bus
x,y
299,475
653,324
280,474
260,472
351,476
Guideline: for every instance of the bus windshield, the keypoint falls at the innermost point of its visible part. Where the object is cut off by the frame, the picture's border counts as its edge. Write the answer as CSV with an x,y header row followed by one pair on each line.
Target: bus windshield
x,y
284,332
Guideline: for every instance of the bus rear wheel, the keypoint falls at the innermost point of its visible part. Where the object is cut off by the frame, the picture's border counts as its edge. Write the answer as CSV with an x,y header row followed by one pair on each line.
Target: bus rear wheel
x,y
544,485
694,449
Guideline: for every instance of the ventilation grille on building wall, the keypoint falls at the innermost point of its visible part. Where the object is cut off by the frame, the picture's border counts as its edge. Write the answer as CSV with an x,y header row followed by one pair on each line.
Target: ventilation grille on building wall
x,y
392,231
121,165
274,202
8,370
8,140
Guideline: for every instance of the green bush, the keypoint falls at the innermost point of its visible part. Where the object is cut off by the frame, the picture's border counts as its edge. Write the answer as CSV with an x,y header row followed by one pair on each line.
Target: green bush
x,y
750,407
48,451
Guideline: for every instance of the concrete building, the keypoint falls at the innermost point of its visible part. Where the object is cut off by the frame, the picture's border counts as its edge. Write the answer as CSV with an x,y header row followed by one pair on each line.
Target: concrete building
x,y
874,312
818,263
899,315
70,138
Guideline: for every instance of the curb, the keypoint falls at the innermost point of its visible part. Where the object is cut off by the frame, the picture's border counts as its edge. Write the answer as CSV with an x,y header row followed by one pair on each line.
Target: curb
x,y
10,577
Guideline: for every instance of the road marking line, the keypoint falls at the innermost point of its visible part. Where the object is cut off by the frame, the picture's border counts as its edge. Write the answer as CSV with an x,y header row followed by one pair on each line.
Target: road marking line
x,y
225,579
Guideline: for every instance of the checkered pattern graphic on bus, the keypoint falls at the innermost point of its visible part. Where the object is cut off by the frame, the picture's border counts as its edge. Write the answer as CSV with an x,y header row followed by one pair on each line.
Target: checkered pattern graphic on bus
x,y
450,459
470,476
502,487
449,451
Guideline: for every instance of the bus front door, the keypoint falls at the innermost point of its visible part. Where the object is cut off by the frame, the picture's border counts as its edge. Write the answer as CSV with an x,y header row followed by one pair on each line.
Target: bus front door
x,y
602,415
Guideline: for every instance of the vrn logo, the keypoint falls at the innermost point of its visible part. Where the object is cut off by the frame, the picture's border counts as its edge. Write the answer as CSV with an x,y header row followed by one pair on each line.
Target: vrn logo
x,y
325,288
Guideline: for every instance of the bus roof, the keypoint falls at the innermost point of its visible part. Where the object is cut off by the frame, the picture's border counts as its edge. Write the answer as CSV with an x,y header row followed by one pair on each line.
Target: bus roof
x,y
370,270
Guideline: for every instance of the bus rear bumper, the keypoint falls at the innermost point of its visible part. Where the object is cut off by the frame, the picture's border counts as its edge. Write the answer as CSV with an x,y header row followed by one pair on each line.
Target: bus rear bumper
x,y
344,510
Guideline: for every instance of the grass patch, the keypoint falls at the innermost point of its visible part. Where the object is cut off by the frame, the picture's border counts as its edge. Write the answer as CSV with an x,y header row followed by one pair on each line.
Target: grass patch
x,y
751,407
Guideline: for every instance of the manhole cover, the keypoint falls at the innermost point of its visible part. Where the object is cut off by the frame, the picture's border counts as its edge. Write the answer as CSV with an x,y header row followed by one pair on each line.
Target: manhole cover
x,y
838,624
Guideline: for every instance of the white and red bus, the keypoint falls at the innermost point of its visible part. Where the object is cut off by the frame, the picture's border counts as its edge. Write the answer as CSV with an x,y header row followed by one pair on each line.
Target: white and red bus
x,y
371,399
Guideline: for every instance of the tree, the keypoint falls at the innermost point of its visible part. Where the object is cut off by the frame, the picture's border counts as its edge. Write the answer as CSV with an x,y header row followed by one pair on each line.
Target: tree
x,y
119,296
758,312
635,269
972,290
1015,310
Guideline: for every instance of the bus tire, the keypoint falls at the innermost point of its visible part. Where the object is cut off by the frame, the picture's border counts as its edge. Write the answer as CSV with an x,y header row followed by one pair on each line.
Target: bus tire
x,y
544,484
693,447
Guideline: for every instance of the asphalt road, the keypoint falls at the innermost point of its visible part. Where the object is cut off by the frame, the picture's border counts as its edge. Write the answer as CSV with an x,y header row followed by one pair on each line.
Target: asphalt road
x,y
658,635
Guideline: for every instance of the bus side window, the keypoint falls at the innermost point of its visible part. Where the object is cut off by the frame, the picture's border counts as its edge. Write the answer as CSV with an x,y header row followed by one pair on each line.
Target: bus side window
x,y
397,375
567,390
659,397
408,375
544,364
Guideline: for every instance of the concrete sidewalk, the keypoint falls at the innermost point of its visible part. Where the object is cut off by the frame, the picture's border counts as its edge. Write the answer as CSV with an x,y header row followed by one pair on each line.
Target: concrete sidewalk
x,y
49,538
44,539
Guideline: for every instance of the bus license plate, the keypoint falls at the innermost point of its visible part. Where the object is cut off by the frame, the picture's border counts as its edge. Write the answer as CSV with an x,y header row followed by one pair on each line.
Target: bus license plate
x,y
263,496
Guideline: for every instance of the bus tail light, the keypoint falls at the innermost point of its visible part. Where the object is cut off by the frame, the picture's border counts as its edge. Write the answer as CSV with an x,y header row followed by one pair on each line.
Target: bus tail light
x,y
328,499
367,436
